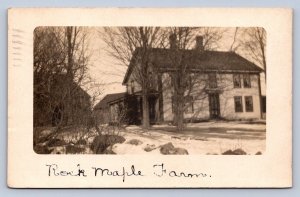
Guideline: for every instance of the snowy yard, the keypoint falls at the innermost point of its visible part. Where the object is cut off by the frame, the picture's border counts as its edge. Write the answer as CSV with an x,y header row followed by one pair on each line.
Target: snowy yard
x,y
207,138
197,138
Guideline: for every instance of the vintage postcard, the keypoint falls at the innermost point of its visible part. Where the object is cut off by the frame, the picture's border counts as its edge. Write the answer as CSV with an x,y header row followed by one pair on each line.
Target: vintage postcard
x,y
149,98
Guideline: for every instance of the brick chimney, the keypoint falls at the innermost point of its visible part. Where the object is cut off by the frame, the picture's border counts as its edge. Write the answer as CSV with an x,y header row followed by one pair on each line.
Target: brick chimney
x,y
173,41
199,43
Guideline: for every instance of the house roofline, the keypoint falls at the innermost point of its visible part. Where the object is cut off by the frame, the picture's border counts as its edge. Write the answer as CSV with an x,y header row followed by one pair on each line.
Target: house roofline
x,y
130,67
212,70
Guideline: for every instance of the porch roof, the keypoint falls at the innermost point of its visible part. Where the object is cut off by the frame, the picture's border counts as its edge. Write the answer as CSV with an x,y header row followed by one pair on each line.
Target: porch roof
x,y
108,99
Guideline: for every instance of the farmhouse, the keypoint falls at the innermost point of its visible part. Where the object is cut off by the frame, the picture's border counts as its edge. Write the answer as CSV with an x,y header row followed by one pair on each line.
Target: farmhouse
x,y
222,85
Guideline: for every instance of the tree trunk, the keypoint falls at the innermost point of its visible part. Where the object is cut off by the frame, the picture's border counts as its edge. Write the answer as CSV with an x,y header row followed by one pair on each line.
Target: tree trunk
x,y
180,111
145,121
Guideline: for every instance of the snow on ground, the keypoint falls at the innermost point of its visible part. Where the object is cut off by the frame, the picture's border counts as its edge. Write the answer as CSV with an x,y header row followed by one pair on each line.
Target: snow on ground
x,y
198,138
207,138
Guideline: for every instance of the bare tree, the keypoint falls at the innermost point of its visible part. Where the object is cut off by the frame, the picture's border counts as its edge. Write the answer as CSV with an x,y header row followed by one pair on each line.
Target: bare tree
x,y
253,45
234,46
123,42
183,52
61,79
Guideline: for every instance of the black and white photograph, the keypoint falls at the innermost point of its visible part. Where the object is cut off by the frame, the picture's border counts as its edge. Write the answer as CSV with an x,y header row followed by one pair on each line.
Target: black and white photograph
x,y
149,98
159,90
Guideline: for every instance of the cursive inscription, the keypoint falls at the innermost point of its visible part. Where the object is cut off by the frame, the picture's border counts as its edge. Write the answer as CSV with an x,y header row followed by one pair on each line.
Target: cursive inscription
x,y
121,173
160,171
53,170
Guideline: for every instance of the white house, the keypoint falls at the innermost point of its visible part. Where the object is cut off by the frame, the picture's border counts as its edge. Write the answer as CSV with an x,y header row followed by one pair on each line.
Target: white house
x,y
224,85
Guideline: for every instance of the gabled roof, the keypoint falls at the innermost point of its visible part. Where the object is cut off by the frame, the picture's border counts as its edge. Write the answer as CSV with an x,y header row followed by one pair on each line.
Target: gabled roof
x,y
109,98
59,79
201,60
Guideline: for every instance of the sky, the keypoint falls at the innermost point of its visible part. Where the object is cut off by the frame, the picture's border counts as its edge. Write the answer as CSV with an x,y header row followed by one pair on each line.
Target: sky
x,y
107,71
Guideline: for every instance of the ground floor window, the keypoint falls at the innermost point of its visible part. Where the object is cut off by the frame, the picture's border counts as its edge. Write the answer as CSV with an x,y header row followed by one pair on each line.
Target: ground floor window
x,y
249,103
263,104
238,104
173,104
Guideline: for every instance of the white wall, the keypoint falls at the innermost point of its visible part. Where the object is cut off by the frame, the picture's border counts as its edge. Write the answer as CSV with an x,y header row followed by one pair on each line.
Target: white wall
x,y
227,108
226,96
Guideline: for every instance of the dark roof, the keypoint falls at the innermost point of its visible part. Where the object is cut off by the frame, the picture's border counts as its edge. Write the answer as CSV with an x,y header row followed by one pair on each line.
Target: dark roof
x,y
109,98
59,79
200,60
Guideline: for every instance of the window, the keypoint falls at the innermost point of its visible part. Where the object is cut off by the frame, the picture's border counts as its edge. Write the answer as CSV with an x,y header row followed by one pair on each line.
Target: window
x,y
264,104
237,81
212,79
249,103
247,81
132,87
173,104
189,104
151,80
238,104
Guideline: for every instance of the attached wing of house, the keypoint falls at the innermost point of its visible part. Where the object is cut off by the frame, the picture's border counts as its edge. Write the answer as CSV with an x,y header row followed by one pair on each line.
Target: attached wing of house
x,y
106,110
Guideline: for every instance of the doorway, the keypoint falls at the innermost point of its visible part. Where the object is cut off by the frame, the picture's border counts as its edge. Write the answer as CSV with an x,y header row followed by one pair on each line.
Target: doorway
x,y
152,112
214,105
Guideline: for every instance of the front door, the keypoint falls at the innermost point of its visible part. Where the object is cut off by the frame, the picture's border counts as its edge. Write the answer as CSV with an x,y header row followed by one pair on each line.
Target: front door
x,y
214,105
152,102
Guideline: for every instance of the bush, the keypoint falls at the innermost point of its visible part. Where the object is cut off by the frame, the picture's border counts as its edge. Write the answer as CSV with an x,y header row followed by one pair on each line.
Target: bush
x,y
71,149
149,148
41,149
235,152
102,142
135,142
166,148
169,149
109,152
56,142
81,142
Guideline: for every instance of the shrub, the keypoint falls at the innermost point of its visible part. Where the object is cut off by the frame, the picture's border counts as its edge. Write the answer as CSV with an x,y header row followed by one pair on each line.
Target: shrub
x,y
102,142
56,142
166,148
169,149
81,142
149,148
135,142
41,149
235,152
71,149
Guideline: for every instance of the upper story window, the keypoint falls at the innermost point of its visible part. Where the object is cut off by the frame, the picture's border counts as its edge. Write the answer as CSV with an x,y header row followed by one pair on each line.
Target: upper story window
x,y
151,80
247,81
132,86
212,80
238,104
237,81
